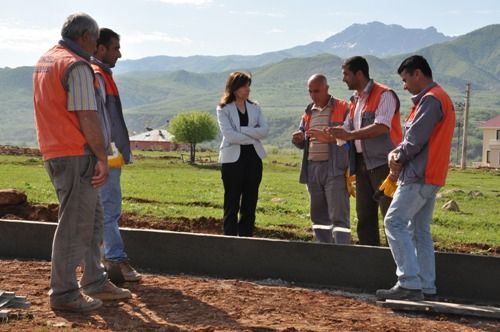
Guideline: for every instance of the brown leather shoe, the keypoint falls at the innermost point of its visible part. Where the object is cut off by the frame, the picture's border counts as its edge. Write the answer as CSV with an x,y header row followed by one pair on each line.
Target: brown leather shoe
x,y
129,273
82,303
110,292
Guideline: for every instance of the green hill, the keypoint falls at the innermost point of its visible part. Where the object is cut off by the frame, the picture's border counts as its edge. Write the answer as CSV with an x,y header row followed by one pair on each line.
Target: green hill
x,y
150,98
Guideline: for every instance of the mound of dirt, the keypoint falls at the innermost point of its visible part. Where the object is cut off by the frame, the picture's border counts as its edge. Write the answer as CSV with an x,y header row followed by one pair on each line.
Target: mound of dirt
x,y
19,151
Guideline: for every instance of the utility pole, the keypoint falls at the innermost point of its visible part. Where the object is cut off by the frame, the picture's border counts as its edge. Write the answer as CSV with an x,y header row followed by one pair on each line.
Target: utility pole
x,y
459,108
466,126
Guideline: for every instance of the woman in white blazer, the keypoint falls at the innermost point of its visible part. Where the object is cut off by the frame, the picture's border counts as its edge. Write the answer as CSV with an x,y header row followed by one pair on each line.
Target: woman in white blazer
x,y
243,126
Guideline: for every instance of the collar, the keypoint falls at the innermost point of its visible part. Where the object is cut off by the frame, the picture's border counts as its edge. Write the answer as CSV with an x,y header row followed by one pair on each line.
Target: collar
x,y
74,47
101,64
416,98
328,104
366,91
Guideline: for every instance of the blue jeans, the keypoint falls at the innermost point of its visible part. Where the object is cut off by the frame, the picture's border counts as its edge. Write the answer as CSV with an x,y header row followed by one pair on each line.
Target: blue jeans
x,y
111,199
407,226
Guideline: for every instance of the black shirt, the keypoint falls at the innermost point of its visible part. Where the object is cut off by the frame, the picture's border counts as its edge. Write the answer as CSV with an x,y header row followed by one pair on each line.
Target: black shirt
x,y
243,117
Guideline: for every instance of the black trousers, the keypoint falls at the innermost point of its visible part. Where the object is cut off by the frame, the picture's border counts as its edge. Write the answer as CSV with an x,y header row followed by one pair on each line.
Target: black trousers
x,y
241,181
368,202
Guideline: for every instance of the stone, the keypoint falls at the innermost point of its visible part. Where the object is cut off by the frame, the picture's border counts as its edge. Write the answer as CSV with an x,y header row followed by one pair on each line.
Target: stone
x,y
451,205
12,197
475,194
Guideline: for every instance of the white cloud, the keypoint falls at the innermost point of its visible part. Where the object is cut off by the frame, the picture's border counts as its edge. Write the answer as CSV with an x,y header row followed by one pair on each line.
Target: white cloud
x,y
276,30
18,37
344,13
255,13
198,3
486,12
155,36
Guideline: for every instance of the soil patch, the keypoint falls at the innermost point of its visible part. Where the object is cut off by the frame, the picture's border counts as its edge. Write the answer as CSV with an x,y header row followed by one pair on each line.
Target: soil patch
x,y
183,303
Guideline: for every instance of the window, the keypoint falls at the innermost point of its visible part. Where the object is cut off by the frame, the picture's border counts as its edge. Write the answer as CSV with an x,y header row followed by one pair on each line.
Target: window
x,y
488,157
498,135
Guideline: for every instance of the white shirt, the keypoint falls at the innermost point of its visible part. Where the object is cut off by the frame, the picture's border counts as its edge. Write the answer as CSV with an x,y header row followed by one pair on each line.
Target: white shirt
x,y
383,114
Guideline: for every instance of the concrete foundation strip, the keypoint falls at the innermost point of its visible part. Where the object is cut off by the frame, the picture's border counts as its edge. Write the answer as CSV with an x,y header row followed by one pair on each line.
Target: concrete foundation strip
x,y
460,277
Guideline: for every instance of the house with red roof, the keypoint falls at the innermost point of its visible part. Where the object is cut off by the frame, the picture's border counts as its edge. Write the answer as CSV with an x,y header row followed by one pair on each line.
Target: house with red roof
x,y
491,142
156,140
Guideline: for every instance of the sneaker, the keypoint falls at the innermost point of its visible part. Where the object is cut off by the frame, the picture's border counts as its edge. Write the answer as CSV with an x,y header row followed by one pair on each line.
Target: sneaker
x,y
82,303
128,272
430,297
399,293
110,292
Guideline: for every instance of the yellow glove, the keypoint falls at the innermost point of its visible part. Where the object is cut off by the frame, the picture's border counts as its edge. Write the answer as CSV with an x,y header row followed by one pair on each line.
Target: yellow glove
x,y
388,187
116,159
349,181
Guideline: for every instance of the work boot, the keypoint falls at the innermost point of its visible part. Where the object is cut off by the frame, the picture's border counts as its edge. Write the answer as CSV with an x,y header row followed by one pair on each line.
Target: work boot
x,y
119,272
399,293
82,303
110,292
128,272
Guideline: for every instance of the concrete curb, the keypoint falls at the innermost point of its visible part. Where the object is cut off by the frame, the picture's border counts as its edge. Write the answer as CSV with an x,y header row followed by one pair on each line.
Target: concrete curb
x,y
472,278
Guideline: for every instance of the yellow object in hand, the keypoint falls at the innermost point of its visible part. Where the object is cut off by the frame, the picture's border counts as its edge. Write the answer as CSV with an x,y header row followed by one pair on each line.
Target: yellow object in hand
x,y
116,159
388,187
349,180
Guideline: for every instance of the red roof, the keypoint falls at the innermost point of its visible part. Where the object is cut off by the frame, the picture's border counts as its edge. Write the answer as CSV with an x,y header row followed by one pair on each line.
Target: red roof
x,y
491,123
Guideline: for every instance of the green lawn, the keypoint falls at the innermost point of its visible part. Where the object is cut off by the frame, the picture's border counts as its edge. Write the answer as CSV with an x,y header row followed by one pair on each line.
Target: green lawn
x,y
160,185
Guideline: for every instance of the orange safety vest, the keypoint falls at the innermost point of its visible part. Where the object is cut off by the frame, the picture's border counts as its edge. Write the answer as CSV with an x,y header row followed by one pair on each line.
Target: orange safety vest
x,y
111,88
58,130
436,168
337,114
371,105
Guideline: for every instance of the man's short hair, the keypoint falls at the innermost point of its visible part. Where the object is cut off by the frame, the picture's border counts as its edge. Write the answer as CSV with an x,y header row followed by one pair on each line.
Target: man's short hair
x,y
357,63
413,63
77,24
317,77
105,36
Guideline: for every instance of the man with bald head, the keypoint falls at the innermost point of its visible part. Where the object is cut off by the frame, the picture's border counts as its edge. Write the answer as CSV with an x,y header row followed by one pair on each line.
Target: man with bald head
x,y
324,164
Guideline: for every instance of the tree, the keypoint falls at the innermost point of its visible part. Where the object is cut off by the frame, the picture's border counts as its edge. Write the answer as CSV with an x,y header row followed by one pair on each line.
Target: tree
x,y
193,128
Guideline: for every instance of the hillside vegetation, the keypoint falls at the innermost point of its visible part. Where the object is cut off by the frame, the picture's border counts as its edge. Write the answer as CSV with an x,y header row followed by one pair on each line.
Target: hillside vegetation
x,y
160,187
151,98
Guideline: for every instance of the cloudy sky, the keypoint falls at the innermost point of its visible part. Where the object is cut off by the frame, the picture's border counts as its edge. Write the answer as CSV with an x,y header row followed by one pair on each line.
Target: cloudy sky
x,y
222,27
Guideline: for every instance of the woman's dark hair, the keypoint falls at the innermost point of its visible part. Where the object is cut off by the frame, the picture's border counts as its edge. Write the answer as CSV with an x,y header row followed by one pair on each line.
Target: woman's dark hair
x,y
236,80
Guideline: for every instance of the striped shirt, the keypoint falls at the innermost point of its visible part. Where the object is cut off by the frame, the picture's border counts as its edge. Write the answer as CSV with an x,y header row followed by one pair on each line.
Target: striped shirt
x,y
81,93
320,117
383,113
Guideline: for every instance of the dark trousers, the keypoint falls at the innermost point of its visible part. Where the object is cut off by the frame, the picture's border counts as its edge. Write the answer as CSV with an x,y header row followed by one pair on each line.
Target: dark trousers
x,y
368,202
241,190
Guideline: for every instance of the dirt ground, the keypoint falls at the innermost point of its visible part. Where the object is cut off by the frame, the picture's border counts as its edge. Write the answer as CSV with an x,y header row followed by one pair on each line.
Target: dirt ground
x,y
184,303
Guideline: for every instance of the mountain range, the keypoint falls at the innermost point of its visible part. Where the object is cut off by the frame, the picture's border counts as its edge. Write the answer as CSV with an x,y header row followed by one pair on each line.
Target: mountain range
x,y
373,38
152,97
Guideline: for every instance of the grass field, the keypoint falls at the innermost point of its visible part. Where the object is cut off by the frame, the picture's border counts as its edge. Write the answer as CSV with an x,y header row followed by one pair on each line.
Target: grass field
x,y
161,185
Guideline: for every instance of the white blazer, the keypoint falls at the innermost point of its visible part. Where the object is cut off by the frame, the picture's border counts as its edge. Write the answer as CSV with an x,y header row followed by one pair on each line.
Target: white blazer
x,y
233,136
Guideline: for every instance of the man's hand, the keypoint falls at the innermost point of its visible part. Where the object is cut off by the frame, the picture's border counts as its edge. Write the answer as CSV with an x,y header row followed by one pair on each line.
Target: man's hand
x,y
320,135
394,165
298,137
340,132
100,173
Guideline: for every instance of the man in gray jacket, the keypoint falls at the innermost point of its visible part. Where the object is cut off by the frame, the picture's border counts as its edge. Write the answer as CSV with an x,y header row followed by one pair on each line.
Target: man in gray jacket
x,y
324,164
105,57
